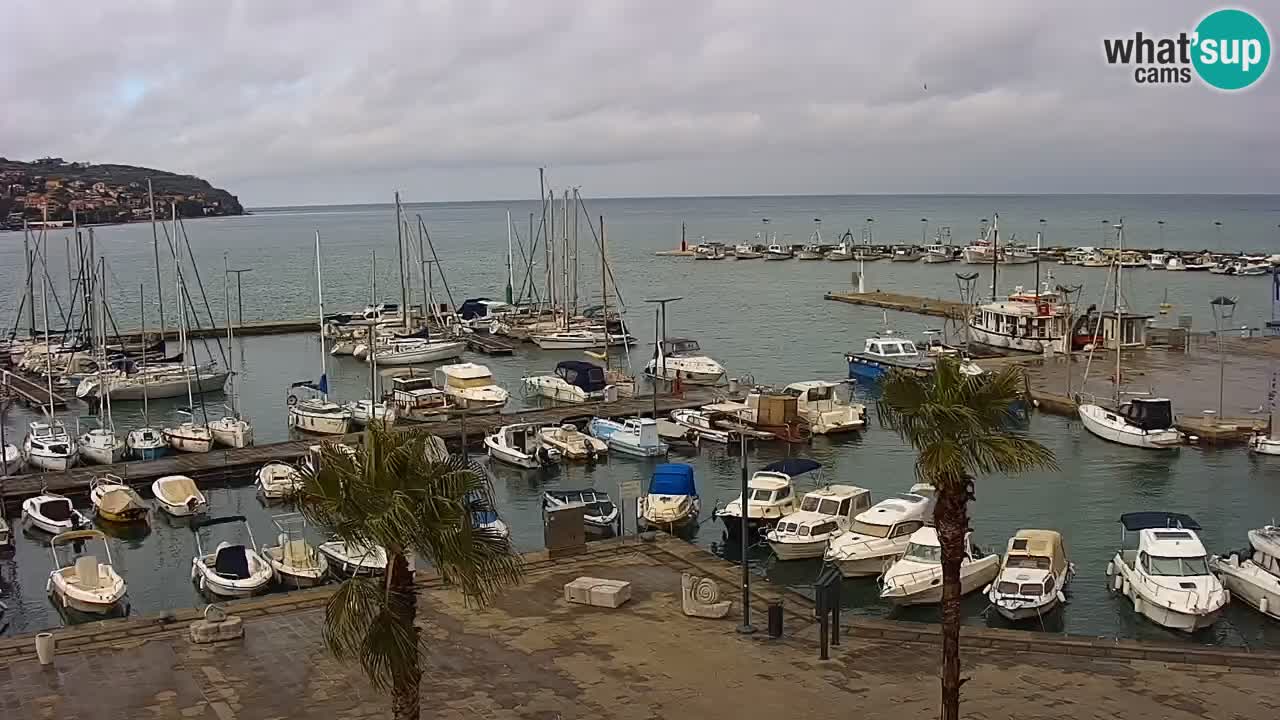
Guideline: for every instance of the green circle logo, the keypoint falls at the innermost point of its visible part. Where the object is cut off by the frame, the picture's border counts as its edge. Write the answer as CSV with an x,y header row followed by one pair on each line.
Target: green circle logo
x,y
1232,49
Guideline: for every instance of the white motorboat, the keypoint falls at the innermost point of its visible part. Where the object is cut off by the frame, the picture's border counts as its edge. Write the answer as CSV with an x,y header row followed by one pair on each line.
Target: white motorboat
x,y
1252,575
521,445
6,535
1175,262
1167,578
156,382
84,584
1268,442
633,436
1157,261
600,515
47,446
179,496
746,251
116,502
702,424
189,437
416,351
572,443
488,520
277,480
230,431
881,534
679,359
580,339
824,514
1019,325
11,462
471,387
916,578
319,416
366,411
819,404
672,500
573,381
101,446
232,569
146,443
772,496
417,399
1264,444
350,559
1033,576
1139,422
52,513
294,562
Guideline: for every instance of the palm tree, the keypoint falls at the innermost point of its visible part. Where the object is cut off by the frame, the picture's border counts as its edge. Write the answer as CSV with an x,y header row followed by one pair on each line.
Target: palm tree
x,y
405,492
959,426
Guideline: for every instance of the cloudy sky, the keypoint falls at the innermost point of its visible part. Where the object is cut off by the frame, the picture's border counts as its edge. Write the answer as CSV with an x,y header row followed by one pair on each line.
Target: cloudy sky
x,y
323,101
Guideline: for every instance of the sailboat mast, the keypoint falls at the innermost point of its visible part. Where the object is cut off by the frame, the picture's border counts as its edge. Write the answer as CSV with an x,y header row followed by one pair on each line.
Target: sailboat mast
x,y
226,302
373,355
404,291
1119,312
575,252
155,251
564,259
146,401
511,280
550,247
182,312
48,351
995,253
324,381
104,389
604,291
31,278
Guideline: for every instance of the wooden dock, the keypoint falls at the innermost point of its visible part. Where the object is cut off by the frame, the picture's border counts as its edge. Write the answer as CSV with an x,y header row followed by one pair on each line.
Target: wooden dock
x,y
490,344
222,467
936,307
33,394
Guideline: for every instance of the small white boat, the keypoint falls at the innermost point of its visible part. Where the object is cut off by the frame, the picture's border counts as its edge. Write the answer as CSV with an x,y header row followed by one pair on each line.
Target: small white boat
x,y
6,535
521,445
179,496
810,252
417,399
367,411
116,502
600,514
52,513
350,559
907,253
573,381
1175,262
146,444
277,480
1033,576
319,416
85,584
818,403
916,578
471,387
47,446
881,534
572,443
11,461
489,520
416,351
633,436
569,339
1253,574
1167,578
702,424
232,432
672,501
189,437
101,446
232,569
746,251
1140,422
778,252
772,496
679,359
1157,261
824,514
294,562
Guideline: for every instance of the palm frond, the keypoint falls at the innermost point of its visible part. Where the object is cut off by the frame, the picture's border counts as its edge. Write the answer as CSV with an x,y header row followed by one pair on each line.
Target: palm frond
x,y
360,625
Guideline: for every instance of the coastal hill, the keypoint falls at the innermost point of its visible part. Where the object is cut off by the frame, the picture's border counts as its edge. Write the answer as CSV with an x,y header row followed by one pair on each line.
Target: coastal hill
x,y
102,193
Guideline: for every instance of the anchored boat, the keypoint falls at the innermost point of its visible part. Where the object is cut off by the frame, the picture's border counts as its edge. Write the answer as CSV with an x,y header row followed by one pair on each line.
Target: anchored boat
x,y
824,514
1167,576
881,533
114,501
520,444
916,578
1253,574
573,381
84,584
232,569
634,436
1033,576
672,501
771,496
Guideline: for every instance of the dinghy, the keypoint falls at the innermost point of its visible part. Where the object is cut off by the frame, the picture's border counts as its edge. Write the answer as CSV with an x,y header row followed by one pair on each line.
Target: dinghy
x,y
520,445
232,569
600,513
179,496
295,562
52,513
277,480
84,584
114,501
350,559
11,461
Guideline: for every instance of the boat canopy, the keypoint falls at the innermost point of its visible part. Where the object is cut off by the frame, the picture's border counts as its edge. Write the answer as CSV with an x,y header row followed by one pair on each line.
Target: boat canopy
x,y
582,374
672,479
793,467
1149,413
77,535
485,517
1149,520
1037,548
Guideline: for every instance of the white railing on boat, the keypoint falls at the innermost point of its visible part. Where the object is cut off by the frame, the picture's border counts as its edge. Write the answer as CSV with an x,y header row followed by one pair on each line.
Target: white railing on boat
x,y
1165,594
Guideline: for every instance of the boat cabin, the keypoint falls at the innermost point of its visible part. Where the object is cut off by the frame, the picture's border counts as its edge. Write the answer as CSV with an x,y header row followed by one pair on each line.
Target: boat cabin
x,y
1167,544
1148,413
1036,558
463,376
1132,330
1019,319
584,375
523,437
674,347
826,510
925,548
482,309
894,517
1265,544
890,347
816,395
598,505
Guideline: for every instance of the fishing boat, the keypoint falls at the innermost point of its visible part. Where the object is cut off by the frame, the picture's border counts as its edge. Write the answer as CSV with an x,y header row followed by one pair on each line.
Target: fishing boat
x,y
114,501
771,496
681,359
232,569
1252,575
1201,262
520,444
747,252
778,252
572,381
939,253
907,253
811,252
48,447
884,352
294,562
600,514
1033,576
471,387
52,513
179,496
354,559
277,480
633,436
572,443
916,578
672,500
83,583
824,515
417,399
1167,578
880,534
710,251
1016,255
819,404
1157,260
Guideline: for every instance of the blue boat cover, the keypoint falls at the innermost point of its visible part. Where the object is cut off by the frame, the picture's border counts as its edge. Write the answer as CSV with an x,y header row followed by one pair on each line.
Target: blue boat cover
x,y
673,479
793,466
581,374
473,308
1151,520
487,517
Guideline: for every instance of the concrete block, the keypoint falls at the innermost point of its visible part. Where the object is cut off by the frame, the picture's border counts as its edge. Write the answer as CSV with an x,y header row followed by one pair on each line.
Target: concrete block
x,y
597,592
211,631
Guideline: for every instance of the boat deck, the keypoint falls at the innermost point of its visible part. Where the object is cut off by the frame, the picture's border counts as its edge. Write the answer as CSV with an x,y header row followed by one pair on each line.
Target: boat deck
x,y
936,307
489,345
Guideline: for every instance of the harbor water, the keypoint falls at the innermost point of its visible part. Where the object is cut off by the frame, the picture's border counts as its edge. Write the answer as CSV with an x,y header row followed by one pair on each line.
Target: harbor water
x,y
765,320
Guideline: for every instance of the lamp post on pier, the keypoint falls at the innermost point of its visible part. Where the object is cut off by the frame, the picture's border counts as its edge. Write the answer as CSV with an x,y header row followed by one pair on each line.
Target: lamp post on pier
x,y
1224,309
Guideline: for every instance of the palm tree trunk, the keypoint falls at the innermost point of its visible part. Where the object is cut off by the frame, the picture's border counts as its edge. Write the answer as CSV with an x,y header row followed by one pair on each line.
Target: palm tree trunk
x,y
951,516
404,601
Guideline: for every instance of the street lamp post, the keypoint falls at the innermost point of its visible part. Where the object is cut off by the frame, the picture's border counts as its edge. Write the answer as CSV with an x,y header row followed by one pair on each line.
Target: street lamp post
x,y
746,628
924,230
1224,309
1160,223
660,325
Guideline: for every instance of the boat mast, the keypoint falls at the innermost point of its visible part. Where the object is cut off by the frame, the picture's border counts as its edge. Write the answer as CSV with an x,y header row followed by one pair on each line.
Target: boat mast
x,y
155,251
404,292
31,278
146,401
564,260
511,280
104,389
231,348
182,313
48,354
1119,311
373,356
604,294
995,253
324,381
575,259
550,203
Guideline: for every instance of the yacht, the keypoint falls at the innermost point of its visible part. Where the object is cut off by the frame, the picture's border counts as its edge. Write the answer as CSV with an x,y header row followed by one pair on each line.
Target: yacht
x,y
1140,422
1252,575
1033,576
471,387
824,514
884,352
916,578
633,436
572,381
1167,578
1157,261
880,534
572,443
680,359
84,583
520,445
48,447
672,500
819,404
772,496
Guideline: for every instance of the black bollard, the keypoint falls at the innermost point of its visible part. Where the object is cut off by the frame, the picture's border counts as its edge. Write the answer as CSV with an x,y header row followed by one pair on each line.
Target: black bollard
x,y
775,619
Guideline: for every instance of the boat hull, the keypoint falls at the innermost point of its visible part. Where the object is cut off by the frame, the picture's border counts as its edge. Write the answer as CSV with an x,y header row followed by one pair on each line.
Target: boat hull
x,y
1014,343
1245,587
1094,418
319,423
870,566
171,387
799,550
973,577
434,352
1152,609
231,434
64,599
1263,445
102,455
188,443
1023,613
52,463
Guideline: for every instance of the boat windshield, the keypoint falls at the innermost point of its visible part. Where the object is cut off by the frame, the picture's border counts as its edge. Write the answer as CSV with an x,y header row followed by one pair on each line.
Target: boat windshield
x,y
928,554
475,382
1028,561
1177,566
809,503
830,507
871,529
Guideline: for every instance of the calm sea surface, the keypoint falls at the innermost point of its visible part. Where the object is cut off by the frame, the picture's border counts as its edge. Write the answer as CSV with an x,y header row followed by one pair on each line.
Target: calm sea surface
x,y
766,320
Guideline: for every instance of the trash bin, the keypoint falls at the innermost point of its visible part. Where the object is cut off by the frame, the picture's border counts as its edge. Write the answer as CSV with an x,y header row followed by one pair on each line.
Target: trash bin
x,y
775,618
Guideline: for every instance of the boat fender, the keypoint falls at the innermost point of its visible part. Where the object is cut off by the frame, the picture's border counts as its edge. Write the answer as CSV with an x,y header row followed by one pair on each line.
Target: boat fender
x,y
1264,604
293,400
1111,569
1125,589
1062,598
987,590
1118,582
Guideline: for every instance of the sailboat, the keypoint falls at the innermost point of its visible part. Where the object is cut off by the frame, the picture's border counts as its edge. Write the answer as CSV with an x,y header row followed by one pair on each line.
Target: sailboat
x,y
47,445
101,445
1268,443
231,430
372,409
146,443
188,436
1140,422
317,414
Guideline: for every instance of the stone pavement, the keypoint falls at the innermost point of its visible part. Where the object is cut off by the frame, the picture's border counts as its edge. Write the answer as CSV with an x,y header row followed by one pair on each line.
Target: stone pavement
x,y
535,656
